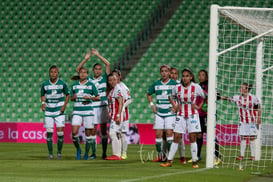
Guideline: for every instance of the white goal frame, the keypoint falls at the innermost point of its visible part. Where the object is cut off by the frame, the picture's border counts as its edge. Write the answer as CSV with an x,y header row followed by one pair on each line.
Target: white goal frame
x,y
212,88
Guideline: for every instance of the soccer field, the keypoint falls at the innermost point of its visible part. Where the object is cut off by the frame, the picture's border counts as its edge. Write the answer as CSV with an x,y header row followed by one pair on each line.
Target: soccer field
x,y
28,162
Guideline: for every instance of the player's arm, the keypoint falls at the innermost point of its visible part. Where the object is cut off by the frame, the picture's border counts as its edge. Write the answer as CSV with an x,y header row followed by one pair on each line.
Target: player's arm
x,y
96,98
127,103
107,64
43,103
120,106
65,103
87,56
149,97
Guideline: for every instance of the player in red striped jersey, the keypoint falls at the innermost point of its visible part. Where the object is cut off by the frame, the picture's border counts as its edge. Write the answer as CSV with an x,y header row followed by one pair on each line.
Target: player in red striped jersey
x,y
188,117
250,117
115,104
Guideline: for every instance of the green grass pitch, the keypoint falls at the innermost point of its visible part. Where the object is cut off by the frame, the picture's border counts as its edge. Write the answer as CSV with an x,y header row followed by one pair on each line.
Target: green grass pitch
x,y
28,162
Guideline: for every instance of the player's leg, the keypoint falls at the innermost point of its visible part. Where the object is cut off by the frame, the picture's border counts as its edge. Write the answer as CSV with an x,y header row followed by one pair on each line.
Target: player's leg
x,y
124,144
94,142
169,126
60,123
199,139
103,128
116,142
76,123
158,127
181,148
88,123
242,132
49,124
252,137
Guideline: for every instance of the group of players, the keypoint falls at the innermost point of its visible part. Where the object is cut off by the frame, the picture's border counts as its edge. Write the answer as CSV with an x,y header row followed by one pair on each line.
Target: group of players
x,y
103,98
98,99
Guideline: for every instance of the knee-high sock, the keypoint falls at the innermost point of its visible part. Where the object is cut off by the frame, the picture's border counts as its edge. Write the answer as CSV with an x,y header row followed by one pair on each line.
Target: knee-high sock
x,y
76,141
217,149
104,142
181,147
193,151
124,143
158,144
199,142
243,147
252,147
169,142
116,143
49,142
88,144
172,151
60,141
94,144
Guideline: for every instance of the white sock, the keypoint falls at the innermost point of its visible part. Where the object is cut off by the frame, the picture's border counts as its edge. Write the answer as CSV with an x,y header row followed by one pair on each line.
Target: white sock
x,y
243,147
124,143
172,151
181,147
193,151
252,147
116,144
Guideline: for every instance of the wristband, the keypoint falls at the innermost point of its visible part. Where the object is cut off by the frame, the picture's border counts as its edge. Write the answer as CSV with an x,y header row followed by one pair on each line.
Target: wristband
x,y
43,102
151,104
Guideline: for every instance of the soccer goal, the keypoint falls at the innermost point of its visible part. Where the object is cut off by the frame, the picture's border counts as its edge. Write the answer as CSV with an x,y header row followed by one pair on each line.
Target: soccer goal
x,y
241,51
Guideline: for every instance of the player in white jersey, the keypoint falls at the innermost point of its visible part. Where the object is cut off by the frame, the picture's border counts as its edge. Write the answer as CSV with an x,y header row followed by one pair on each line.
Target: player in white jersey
x,y
250,112
125,112
115,104
181,146
187,118
54,97
83,93
99,107
164,117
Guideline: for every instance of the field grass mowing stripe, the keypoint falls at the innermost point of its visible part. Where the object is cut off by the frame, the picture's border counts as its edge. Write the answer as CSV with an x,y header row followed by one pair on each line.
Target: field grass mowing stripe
x,y
164,175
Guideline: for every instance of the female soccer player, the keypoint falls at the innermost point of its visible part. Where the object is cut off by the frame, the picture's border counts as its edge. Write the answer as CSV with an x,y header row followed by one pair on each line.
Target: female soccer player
x,y
181,146
250,117
164,118
125,113
186,94
54,97
83,93
115,103
100,107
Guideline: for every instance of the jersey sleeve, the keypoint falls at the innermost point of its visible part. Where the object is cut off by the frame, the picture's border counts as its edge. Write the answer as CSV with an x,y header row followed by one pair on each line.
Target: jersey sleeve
x,y
151,90
200,91
72,91
234,99
65,89
42,91
95,90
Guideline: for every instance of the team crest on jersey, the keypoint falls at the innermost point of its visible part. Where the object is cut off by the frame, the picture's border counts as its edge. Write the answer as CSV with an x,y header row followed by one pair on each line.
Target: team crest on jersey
x,y
54,92
80,93
165,92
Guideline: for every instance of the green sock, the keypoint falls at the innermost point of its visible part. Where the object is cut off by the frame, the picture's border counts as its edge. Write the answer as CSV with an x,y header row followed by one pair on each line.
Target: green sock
x,y
94,145
158,147
60,144
49,142
76,142
87,145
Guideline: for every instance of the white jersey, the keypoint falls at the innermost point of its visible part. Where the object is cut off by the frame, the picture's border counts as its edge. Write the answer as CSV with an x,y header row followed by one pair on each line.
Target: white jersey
x,y
113,104
186,97
126,96
246,107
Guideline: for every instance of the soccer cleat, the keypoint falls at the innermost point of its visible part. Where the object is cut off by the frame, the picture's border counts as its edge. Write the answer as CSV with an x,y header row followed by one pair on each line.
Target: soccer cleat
x,y
183,160
78,154
113,157
167,164
124,156
59,156
50,157
85,157
240,158
199,158
195,165
104,156
158,159
252,158
217,161
92,157
190,161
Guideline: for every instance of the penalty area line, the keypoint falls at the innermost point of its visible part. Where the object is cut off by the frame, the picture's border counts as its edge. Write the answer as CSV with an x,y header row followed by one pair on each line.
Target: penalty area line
x,y
164,175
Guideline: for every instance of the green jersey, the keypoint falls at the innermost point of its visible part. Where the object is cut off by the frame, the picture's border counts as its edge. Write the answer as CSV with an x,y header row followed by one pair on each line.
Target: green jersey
x,y
54,96
83,107
162,92
100,84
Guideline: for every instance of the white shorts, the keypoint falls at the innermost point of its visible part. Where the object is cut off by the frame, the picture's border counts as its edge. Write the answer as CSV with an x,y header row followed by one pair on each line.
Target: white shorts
x,y
125,126
164,122
88,121
180,125
59,120
101,115
247,129
193,124
114,127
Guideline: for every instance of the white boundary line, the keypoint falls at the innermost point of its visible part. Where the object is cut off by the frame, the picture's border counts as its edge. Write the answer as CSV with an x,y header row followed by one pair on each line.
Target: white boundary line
x,y
164,175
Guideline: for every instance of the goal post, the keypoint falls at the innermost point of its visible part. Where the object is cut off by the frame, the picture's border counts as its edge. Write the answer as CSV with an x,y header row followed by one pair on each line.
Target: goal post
x,y
241,44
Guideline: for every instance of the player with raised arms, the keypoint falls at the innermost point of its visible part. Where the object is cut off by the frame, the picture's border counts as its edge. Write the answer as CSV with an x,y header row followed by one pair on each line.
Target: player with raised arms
x,y
83,93
99,107
186,94
54,98
164,117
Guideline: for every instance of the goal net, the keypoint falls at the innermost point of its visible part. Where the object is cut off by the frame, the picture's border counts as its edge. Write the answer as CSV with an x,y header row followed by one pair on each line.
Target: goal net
x,y
241,51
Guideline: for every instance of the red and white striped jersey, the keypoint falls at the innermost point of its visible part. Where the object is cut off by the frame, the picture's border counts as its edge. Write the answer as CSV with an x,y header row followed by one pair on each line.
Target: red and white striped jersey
x,y
186,97
246,107
113,104
126,96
